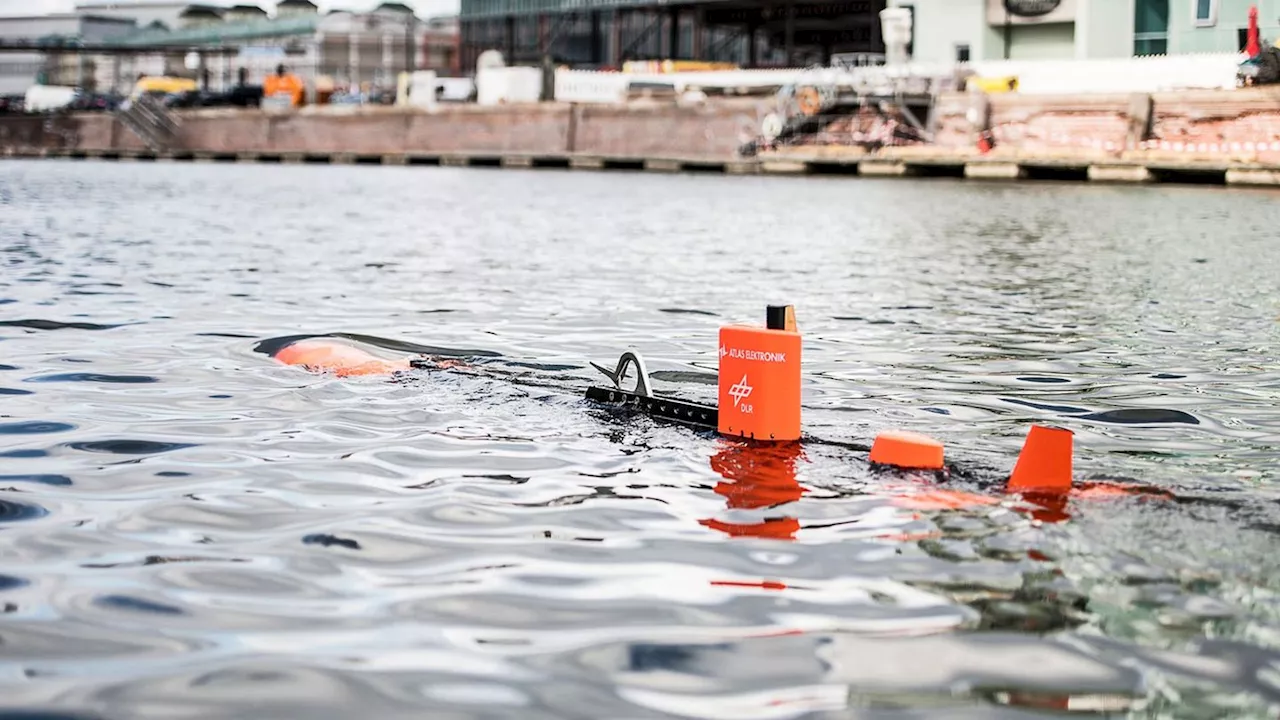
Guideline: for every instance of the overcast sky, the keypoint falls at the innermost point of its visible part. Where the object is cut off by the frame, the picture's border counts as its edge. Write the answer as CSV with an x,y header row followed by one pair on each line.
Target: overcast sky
x,y
425,8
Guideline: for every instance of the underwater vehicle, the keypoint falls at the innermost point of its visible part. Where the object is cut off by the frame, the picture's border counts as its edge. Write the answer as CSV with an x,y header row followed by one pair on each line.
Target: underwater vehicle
x,y
758,404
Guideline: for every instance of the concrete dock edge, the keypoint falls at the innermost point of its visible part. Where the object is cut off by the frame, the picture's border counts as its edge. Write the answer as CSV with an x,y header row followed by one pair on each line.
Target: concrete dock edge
x,y
784,167
1129,169
586,163
1120,174
1254,177
662,165
994,171
881,168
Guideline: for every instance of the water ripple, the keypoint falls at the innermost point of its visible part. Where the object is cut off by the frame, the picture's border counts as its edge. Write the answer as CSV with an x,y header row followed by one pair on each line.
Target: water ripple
x,y
123,602
127,447
34,428
93,378
8,582
13,511
46,479
34,324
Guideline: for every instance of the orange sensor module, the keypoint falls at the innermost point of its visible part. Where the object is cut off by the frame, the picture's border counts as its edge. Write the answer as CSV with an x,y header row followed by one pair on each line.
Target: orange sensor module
x,y
760,378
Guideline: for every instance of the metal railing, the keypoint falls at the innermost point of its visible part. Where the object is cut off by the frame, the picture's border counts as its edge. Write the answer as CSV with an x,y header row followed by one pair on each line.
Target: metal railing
x,y
151,122
857,60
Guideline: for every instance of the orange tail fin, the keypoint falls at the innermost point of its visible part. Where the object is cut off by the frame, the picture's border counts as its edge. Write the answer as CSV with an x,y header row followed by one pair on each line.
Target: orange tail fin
x,y
907,450
1045,463
341,359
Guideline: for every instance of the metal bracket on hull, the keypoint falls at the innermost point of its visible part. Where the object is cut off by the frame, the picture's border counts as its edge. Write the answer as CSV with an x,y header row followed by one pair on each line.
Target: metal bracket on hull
x,y
681,411
643,400
616,375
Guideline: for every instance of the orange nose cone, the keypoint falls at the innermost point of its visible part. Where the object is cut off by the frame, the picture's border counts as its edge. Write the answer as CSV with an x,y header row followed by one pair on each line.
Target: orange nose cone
x,y
907,450
341,359
1045,463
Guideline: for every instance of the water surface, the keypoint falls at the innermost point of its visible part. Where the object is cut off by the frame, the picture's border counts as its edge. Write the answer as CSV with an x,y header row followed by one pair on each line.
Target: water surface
x,y
188,529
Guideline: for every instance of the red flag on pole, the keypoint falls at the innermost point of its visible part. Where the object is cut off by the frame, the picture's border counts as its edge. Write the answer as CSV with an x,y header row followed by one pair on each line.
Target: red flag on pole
x,y
1252,46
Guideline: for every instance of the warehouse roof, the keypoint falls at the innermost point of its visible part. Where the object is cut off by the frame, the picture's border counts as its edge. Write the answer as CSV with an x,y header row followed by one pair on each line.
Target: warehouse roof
x,y
221,33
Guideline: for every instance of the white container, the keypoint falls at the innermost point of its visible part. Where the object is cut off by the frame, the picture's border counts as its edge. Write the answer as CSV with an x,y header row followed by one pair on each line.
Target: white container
x,y
895,25
577,86
418,89
43,98
499,86
456,89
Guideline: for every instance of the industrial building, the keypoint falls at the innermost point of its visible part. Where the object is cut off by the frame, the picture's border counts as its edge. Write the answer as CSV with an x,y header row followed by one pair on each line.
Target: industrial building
x,y
349,48
104,46
21,69
609,33
143,13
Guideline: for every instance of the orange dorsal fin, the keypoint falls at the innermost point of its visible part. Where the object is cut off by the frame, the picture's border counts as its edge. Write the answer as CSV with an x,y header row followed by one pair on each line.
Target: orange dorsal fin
x,y
1044,465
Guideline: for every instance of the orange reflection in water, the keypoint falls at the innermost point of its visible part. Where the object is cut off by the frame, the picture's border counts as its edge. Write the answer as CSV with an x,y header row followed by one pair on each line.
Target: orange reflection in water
x,y
1049,507
758,476
762,475
1045,507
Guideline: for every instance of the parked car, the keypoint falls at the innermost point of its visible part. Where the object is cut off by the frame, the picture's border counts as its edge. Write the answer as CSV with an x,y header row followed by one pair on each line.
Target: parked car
x,y
12,104
242,96
162,85
1261,69
95,102
184,99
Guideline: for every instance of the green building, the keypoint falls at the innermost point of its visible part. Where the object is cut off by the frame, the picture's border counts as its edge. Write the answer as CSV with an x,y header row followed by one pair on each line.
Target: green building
x,y
950,30
1200,26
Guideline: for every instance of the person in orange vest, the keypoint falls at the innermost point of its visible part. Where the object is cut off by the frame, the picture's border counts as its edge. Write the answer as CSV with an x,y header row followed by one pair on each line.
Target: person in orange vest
x,y
284,82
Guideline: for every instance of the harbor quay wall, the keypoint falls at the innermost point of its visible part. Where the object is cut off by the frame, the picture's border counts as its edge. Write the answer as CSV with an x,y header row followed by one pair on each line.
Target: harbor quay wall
x,y
1242,124
1192,122
712,131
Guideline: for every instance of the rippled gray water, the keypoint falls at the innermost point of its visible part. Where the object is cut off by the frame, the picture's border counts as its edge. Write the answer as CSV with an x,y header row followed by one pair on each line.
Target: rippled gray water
x,y
189,529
